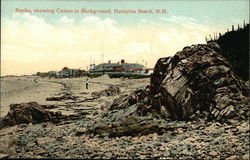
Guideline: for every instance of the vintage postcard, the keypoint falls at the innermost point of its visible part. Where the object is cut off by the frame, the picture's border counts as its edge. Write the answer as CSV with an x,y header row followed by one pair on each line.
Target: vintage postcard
x,y
116,79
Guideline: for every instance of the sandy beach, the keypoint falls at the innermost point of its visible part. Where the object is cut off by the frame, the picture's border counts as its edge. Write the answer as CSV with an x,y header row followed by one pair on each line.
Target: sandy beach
x,y
24,89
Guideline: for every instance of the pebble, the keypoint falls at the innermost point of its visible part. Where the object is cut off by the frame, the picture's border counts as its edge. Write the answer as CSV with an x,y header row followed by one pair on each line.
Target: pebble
x,y
246,156
155,137
167,154
231,158
213,153
31,144
45,140
2,155
142,156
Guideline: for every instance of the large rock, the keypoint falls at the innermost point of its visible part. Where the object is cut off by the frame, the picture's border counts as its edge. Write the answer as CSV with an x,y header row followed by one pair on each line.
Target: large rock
x,y
130,126
28,113
128,100
197,78
196,81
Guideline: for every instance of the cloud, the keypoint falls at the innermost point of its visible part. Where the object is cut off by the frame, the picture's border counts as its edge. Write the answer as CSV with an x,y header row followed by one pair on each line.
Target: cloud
x,y
65,20
36,45
179,19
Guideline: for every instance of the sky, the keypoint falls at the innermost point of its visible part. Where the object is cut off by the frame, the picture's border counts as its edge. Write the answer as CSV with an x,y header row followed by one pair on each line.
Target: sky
x,y
40,42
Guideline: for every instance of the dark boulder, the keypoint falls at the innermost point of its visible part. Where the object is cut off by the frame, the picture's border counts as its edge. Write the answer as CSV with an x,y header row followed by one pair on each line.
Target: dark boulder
x,y
197,78
28,113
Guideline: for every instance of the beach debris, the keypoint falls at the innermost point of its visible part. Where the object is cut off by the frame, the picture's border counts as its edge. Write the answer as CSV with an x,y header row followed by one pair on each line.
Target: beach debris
x,y
110,91
127,100
65,96
49,106
30,112
130,126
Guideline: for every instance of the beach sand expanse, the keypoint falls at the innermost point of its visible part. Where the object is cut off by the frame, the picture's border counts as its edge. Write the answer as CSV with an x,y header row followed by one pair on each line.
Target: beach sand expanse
x,y
22,89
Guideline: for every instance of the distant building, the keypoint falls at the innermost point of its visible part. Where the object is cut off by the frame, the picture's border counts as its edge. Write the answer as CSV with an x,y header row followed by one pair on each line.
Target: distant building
x,y
117,67
64,73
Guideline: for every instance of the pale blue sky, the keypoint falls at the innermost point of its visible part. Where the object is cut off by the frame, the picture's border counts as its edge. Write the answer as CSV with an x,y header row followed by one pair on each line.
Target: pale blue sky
x,y
207,12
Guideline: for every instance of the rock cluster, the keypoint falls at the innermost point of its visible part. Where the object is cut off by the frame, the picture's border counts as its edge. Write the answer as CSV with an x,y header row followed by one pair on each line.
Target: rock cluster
x,y
183,140
110,91
65,96
195,83
198,78
195,80
128,100
28,113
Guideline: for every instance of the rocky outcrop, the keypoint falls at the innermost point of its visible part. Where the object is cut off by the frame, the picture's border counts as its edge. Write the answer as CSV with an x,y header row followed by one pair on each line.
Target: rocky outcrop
x,y
28,113
110,91
128,100
65,96
196,82
197,78
130,126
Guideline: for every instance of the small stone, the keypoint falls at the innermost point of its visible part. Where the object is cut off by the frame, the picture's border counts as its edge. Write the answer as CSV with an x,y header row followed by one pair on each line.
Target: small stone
x,y
246,156
162,148
213,153
142,156
2,155
45,140
143,138
131,147
8,130
234,130
40,151
180,130
38,157
108,154
232,157
173,151
232,121
167,154
155,137
165,138
239,148
242,129
31,144
106,138
156,155
186,152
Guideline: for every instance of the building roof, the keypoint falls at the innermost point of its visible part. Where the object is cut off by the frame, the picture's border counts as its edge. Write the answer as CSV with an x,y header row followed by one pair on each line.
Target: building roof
x,y
110,66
